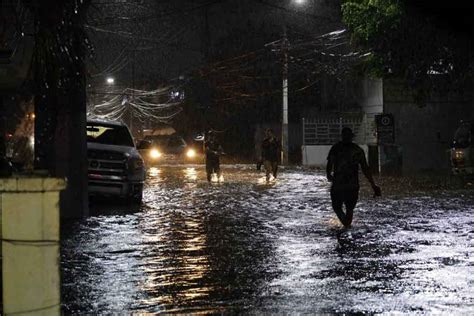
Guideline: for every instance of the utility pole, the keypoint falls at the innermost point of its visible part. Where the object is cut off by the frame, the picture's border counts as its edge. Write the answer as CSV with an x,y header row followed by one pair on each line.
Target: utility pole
x,y
284,119
207,35
284,122
130,110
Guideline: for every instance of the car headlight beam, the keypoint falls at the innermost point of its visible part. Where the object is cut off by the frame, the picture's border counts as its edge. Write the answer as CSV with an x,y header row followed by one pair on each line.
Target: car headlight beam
x,y
155,154
191,153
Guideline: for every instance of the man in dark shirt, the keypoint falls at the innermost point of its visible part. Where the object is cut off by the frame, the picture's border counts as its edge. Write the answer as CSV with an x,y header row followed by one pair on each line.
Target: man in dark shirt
x,y
213,150
342,170
270,153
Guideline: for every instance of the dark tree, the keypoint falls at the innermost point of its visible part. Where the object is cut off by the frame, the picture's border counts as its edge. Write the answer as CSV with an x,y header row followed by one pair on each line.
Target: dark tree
x,y
414,40
60,97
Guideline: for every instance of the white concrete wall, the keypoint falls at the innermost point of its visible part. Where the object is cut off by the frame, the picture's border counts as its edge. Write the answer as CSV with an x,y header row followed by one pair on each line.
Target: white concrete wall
x,y
30,245
317,155
371,101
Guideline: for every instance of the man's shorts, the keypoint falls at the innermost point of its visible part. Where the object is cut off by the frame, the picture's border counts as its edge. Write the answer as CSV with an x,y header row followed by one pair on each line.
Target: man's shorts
x,y
270,166
346,196
213,166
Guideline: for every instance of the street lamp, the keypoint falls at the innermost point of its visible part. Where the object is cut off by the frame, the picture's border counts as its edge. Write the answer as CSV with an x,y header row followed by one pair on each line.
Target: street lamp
x,y
284,121
110,80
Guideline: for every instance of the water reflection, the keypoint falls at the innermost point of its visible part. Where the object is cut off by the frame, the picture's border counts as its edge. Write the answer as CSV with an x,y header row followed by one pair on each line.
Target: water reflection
x,y
154,172
189,265
191,174
175,265
247,247
100,255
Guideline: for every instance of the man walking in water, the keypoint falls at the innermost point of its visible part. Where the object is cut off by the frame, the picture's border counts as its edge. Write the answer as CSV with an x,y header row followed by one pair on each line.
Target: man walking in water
x,y
270,152
213,150
342,170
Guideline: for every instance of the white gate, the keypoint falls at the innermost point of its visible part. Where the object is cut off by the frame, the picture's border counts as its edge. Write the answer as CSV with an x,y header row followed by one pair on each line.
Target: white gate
x,y
320,133
327,130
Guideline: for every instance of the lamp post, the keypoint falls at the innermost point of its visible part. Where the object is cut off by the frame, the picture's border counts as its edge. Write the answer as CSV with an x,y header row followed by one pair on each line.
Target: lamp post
x,y
284,121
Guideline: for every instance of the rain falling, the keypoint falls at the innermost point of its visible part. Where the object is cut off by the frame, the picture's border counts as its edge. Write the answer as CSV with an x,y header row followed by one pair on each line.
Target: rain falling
x,y
236,157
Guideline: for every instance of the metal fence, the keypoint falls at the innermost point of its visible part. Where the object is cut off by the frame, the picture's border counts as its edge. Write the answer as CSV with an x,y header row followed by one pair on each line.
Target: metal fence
x,y
327,130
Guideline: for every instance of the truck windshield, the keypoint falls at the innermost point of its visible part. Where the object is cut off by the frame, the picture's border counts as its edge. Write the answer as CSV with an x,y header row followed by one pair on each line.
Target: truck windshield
x,y
462,137
166,141
109,135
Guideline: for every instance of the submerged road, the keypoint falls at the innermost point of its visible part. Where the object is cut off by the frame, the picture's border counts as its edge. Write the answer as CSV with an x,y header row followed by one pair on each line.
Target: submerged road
x,y
244,246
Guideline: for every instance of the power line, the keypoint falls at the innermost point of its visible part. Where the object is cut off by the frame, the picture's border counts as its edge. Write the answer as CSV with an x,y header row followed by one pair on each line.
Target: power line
x,y
167,14
145,39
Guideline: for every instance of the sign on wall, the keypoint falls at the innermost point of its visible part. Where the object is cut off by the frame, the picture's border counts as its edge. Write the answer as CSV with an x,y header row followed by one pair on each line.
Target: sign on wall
x,y
385,129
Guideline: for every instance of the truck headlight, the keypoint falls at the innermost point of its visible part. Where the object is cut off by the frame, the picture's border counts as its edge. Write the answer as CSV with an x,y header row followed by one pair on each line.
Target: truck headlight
x,y
191,153
155,154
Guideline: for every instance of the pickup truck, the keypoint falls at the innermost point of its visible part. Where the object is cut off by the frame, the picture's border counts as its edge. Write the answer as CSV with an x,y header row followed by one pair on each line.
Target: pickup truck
x,y
115,165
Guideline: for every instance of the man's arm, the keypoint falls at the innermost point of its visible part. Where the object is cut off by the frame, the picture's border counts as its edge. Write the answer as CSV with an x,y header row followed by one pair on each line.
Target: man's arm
x,y
366,171
330,165
329,168
207,148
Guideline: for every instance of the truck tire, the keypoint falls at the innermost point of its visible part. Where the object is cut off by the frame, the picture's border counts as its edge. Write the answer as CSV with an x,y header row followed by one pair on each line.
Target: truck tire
x,y
136,198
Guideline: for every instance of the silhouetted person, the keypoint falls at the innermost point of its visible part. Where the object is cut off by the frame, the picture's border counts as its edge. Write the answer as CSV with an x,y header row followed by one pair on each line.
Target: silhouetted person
x,y
270,153
213,150
342,170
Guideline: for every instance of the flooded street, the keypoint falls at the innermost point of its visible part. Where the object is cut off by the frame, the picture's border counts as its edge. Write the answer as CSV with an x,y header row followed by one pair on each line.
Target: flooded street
x,y
246,246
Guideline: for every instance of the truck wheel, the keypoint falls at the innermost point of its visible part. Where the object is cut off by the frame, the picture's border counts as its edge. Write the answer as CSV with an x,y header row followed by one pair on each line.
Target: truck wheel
x,y
137,198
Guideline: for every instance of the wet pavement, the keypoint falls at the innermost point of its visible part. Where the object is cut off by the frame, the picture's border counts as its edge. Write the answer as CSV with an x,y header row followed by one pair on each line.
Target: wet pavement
x,y
244,246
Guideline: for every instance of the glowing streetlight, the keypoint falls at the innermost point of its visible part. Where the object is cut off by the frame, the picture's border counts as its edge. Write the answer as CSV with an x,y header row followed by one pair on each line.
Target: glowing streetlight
x,y
299,2
110,80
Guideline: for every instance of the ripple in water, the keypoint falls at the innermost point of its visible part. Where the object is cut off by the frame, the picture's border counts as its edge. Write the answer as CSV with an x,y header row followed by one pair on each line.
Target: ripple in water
x,y
245,245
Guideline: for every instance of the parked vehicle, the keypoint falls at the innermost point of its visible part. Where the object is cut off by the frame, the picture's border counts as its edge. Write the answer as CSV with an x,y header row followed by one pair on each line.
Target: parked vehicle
x,y
157,149
462,150
115,165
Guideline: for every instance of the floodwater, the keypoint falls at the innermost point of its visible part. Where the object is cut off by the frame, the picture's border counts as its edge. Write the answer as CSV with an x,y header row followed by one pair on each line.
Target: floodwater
x,y
244,246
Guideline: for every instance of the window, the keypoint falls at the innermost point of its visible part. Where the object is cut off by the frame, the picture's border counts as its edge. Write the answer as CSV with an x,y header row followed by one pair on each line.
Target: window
x,y
109,135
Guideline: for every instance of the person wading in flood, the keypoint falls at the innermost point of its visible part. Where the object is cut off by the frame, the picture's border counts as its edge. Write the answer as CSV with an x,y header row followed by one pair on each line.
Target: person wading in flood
x,y
270,152
342,170
213,150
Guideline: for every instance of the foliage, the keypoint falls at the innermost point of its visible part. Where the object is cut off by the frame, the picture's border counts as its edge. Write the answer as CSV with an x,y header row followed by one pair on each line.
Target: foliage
x,y
371,19
58,78
409,42
61,43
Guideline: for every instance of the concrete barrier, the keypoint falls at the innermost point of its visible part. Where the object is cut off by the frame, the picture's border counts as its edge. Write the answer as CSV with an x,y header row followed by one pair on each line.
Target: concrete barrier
x,y
30,245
